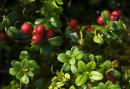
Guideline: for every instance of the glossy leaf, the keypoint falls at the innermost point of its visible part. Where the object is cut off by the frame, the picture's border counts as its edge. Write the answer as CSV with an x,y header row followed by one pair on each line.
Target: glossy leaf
x,y
40,20
13,17
5,23
81,79
81,66
95,76
19,75
66,67
78,55
72,87
98,39
107,65
90,66
105,15
55,22
24,55
56,41
13,71
63,58
114,87
120,25
72,61
24,79
74,69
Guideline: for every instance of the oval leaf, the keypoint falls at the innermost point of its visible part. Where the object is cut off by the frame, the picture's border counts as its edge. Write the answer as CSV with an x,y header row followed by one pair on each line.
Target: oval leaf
x,y
81,66
74,69
91,66
81,79
95,76
56,41
63,58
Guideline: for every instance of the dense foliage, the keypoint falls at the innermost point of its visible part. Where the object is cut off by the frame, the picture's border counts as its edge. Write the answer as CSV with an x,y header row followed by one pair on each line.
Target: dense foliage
x,y
56,45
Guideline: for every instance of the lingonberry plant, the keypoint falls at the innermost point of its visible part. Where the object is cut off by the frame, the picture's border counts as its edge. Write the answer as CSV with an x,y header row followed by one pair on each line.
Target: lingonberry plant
x,y
46,49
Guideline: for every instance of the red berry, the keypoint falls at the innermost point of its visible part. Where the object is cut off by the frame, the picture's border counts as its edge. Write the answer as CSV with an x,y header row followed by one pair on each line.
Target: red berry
x,y
116,13
26,28
73,23
2,36
36,38
34,31
100,20
89,29
49,34
40,29
114,18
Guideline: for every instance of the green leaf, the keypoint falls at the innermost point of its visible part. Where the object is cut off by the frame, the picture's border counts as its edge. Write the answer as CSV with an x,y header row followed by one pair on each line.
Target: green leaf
x,y
74,69
91,57
13,32
13,71
69,53
72,87
90,66
60,2
81,66
63,58
95,76
13,17
120,25
107,65
40,20
24,55
98,39
30,73
105,15
24,79
66,67
5,23
55,21
19,75
72,35
24,63
102,86
81,79
99,58
32,65
56,41
78,55
72,61
67,75
114,87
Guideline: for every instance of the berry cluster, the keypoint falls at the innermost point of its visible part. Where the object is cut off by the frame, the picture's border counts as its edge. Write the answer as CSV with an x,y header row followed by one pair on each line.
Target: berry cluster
x,y
113,16
38,33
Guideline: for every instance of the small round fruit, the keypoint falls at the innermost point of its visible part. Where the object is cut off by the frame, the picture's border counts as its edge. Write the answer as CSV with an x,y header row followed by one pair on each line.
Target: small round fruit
x,y
40,29
73,23
116,13
100,20
26,28
49,34
34,31
2,36
36,38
